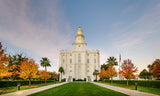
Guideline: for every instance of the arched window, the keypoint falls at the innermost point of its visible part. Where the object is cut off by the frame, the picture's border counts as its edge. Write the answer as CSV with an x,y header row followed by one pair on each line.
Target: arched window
x,y
70,61
79,58
87,60
94,60
63,60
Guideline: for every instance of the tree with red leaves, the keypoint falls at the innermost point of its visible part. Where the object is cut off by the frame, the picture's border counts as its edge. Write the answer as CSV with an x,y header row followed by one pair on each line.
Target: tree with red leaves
x,y
128,70
156,71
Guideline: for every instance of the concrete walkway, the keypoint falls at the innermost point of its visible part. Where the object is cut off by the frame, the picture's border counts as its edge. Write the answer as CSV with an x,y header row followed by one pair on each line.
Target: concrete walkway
x,y
125,91
31,91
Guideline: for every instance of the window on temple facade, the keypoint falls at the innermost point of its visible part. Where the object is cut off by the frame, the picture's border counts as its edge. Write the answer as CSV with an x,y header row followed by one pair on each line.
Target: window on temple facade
x,y
87,60
63,60
79,58
94,60
70,61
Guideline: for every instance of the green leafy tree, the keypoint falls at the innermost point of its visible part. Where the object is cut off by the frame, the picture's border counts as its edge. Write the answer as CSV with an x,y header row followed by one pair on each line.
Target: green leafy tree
x,y
112,61
144,74
61,70
105,66
45,63
96,72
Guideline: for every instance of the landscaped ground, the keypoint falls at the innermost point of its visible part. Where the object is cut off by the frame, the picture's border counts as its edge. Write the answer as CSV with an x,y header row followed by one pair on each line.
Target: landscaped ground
x,y
13,89
78,89
140,88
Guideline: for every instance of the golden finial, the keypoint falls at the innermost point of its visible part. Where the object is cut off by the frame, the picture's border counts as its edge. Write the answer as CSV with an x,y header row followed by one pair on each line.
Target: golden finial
x,y
79,31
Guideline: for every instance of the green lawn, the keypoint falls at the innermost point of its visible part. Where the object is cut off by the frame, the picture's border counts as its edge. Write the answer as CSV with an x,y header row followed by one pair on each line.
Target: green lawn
x,y
78,89
13,89
140,88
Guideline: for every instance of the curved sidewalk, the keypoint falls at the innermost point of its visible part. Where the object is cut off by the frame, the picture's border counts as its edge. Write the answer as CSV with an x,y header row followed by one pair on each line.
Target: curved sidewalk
x,y
31,91
125,91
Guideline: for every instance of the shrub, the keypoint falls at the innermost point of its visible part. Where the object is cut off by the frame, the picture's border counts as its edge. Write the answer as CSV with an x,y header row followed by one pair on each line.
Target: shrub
x,y
63,80
100,79
74,79
25,82
95,80
79,80
144,83
84,79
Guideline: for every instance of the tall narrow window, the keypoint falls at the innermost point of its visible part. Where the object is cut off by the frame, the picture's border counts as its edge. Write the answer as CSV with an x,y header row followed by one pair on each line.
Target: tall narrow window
x,y
70,61
94,60
63,60
87,60
79,58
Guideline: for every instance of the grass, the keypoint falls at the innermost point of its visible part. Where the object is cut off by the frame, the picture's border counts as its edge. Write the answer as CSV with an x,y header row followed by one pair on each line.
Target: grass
x,y
13,89
78,89
140,88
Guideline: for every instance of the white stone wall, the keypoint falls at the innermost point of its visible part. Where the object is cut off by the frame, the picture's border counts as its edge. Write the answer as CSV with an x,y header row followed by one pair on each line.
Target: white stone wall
x,y
79,69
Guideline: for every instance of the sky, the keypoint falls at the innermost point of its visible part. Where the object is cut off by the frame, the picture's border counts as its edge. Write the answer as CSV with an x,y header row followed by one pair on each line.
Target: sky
x,y
41,28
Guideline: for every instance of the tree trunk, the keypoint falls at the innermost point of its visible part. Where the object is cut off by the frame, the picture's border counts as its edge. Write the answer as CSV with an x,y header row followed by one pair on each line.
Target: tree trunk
x,y
61,76
96,77
29,82
45,73
127,82
111,80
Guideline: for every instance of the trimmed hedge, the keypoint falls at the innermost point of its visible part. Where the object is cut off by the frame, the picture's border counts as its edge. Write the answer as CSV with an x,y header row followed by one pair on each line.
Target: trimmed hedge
x,y
14,83
144,83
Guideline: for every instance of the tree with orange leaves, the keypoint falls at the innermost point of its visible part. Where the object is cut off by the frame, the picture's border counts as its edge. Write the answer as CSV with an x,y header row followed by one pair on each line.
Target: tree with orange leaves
x,y
28,70
4,69
45,75
102,74
110,72
128,69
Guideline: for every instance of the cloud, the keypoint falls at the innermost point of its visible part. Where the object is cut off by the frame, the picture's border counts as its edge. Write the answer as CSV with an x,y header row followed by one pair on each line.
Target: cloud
x,y
129,8
131,33
24,27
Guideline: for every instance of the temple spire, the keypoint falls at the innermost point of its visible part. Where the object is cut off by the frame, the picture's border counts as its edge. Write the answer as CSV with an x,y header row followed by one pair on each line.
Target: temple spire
x,y
79,31
79,37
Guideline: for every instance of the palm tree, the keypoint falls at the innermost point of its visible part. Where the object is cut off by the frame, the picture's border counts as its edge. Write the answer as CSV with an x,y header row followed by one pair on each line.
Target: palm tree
x,y
44,63
61,70
96,72
112,61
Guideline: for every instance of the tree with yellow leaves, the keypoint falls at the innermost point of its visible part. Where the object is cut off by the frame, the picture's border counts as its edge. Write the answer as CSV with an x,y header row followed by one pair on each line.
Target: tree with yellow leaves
x,y
4,69
28,70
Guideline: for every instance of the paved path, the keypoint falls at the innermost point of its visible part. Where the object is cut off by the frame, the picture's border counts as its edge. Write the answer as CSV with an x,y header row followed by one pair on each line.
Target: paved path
x,y
125,91
33,90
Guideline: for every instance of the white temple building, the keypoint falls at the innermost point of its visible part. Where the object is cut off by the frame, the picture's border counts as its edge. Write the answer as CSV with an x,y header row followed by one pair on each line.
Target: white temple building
x,y
79,63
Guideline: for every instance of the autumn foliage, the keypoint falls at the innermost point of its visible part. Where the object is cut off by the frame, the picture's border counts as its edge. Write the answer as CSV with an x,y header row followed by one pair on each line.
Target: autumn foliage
x,y
156,71
28,69
4,69
44,75
110,72
127,70
102,74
